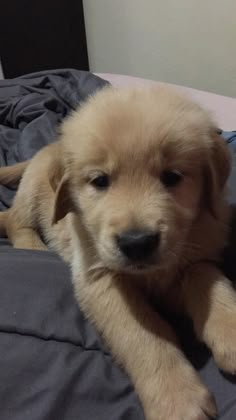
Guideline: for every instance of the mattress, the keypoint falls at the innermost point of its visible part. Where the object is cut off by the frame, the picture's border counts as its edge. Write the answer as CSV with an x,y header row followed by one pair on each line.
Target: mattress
x,y
53,364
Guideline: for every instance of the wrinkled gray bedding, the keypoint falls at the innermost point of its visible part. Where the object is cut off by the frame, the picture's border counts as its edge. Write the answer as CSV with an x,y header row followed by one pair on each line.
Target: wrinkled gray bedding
x,y
53,364
31,107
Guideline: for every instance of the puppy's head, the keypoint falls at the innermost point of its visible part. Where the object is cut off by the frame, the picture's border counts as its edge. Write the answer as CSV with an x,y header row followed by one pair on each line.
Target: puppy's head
x,y
141,166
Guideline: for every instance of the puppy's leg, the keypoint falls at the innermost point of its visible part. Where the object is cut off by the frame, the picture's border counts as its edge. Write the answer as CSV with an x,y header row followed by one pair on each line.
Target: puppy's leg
x,y
210,300
146,346
27,238
3,222
23,237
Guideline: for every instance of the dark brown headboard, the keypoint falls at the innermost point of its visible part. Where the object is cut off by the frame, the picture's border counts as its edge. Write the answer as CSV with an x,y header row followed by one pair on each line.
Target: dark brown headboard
x,y
42,34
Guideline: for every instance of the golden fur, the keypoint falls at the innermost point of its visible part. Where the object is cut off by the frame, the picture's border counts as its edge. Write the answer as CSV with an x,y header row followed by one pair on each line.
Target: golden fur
x,y
135,136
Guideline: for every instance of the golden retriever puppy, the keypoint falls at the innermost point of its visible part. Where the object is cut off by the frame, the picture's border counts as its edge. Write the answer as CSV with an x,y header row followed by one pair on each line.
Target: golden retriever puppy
x,y
133,197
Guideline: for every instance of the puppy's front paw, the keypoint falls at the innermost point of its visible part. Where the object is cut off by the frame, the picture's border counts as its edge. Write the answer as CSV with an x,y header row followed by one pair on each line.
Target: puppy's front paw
x,y
221,338
180,396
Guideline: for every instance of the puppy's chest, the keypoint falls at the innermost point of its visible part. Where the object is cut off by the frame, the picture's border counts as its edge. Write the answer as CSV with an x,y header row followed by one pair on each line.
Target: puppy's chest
x,y
167,299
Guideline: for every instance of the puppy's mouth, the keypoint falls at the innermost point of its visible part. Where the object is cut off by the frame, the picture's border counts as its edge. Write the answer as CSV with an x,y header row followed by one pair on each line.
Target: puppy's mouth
x,y
126,266
139,267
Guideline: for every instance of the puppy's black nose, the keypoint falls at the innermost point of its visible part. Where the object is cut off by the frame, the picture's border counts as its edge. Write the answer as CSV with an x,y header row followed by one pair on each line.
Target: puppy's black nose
x,y
137,244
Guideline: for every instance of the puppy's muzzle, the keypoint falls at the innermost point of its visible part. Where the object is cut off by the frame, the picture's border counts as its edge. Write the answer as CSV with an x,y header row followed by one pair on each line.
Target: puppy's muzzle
x,y
138,245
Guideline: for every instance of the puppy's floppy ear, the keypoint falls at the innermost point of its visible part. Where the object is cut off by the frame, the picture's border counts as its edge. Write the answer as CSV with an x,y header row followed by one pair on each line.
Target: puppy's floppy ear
x,y
63,201
55,174
217,172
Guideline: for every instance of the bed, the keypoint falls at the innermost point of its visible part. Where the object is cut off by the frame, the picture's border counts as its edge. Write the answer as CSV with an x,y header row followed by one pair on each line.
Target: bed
x,y
53,364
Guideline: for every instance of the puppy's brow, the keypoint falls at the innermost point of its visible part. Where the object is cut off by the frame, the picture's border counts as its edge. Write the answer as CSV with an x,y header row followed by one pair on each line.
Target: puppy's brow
x,y
91,169
96,167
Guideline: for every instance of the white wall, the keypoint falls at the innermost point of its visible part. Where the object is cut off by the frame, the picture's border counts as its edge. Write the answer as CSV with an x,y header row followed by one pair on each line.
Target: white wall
x,y
188,42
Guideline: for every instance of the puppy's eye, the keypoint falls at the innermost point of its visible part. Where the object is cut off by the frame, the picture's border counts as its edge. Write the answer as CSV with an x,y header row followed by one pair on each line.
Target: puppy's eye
x,y
171,178
101,182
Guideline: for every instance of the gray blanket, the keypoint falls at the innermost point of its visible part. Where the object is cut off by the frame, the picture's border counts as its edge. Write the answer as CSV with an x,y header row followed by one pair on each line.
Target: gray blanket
x,y
32,107
53,364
